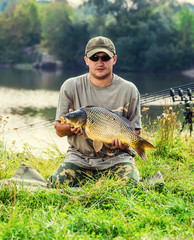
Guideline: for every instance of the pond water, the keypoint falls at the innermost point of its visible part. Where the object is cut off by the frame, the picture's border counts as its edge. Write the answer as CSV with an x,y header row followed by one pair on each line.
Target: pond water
x,y
32,79
29,98
35,80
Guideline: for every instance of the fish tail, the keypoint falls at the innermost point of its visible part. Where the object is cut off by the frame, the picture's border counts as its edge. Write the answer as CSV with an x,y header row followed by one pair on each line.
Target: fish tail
x,y
141,152
147,144
140,148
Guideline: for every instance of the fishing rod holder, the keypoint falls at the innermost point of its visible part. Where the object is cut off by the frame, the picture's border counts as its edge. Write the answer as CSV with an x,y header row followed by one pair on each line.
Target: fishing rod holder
x,y
189,113
183,98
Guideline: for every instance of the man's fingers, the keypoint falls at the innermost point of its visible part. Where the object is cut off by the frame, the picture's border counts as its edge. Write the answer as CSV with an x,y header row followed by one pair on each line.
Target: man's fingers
x,y
115,142
118,143
76,130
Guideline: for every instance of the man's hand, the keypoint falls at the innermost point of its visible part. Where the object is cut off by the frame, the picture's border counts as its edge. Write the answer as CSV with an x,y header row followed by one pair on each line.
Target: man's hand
x,y
119,144
137,131
65,129
76,130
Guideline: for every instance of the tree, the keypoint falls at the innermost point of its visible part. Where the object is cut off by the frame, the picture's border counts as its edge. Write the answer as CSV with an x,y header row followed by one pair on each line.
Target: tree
x,y
20,27
64,37
185,35
145,35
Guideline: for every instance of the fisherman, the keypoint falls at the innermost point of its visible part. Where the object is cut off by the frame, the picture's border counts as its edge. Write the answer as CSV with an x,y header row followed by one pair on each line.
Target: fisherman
x,y
99,87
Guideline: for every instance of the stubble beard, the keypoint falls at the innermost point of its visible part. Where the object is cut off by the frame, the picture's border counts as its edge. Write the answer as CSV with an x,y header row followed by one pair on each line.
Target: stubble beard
x,y
101,77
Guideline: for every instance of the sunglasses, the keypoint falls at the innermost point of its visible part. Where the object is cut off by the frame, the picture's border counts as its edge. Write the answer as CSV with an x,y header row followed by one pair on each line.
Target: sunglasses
x,y
95,58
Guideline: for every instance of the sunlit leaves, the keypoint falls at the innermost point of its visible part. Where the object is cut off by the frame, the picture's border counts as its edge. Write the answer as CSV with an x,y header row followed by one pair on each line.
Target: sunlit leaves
x,y
19,27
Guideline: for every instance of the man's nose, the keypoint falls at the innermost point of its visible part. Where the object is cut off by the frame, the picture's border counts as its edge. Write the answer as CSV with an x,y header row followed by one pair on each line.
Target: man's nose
x,y
100,61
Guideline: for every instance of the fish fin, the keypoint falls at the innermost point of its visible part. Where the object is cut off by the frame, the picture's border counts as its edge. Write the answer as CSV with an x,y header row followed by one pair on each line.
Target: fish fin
x,y
97,145
141,152
147,144
87,106
140,149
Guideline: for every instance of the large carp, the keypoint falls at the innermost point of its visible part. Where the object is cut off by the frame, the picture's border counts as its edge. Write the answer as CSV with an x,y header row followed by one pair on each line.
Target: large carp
x,y
102,126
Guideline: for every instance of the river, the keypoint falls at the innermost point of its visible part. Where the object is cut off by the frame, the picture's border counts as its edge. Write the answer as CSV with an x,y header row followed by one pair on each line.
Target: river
x,y
32,79
28,99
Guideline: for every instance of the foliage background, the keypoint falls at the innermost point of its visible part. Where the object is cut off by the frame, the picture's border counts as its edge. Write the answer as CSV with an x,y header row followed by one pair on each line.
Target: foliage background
x,y
149,35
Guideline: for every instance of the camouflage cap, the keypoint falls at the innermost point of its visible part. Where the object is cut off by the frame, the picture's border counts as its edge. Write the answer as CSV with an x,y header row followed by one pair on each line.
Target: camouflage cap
x,y
100,44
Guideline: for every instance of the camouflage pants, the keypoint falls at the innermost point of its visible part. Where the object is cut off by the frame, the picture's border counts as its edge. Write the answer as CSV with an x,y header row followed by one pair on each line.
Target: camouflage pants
x,y
74,176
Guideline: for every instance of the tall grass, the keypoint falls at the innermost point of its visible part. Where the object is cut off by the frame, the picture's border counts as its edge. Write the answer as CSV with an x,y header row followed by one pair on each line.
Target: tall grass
x,y
108,208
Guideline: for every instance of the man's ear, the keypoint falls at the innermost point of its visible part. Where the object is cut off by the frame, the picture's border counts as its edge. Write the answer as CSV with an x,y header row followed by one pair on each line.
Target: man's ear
x,y
114,59
86,60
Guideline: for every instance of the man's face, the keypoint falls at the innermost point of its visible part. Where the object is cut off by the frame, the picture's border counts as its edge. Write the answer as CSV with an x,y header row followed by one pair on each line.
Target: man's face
x,y
100,69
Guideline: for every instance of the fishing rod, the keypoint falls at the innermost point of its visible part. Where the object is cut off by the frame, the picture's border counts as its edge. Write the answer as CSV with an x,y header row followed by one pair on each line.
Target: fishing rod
x,y
187,99
155,96
37,125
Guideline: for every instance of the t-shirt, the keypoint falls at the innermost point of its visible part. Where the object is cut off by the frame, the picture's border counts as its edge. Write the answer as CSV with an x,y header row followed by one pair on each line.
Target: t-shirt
x,y
121,97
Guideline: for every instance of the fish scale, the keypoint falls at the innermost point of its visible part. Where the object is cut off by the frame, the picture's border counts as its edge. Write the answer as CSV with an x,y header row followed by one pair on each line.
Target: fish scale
x,y
95,123
102,126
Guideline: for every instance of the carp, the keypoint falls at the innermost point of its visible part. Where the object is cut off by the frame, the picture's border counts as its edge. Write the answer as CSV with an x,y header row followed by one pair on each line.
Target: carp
x,y
102,126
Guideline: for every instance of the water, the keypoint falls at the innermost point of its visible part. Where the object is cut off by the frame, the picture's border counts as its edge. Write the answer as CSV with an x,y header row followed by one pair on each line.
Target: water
x,y
30,97
32,79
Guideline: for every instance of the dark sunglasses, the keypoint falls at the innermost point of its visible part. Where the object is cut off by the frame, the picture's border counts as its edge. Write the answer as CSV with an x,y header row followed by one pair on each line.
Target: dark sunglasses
x,y
95,58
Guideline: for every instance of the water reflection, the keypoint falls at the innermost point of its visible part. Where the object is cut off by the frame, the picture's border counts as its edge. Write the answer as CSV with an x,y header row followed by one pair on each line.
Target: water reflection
x,y
46,113
148,83
33,79
31,112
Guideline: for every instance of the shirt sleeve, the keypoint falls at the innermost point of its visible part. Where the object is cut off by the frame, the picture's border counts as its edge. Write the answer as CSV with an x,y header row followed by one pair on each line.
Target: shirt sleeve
x,y
64,101
134,109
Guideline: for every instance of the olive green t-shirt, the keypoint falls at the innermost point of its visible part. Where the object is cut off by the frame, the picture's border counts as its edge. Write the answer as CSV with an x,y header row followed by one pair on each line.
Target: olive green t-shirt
x,y
121,97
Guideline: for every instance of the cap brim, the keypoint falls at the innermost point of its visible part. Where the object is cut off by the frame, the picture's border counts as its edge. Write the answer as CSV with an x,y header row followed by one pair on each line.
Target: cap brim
x,y
96,50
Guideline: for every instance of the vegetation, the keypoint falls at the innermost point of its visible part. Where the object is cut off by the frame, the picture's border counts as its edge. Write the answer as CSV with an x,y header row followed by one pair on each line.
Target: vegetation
x,y
108,208
149,35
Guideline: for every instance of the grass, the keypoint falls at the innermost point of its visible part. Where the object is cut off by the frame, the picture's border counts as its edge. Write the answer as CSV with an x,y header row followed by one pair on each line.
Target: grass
x,y
107,209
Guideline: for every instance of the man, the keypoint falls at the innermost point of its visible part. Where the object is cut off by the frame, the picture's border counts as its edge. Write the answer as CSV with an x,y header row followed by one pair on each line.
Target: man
x,y
99,87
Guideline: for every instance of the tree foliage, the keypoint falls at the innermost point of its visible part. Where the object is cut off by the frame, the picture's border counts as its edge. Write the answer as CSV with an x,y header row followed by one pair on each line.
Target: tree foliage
x,y
149,35
64,36
19,27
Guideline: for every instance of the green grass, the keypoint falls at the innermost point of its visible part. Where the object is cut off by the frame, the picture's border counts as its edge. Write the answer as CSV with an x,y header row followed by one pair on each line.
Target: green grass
x,y
107,209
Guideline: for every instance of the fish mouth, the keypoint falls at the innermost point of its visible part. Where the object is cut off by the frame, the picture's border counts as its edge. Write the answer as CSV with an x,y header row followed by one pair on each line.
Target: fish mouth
x,y
63,120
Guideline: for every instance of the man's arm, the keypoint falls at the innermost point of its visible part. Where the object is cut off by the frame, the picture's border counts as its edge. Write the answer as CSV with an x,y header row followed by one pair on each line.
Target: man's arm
x,y
63,130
